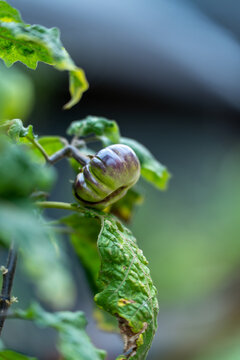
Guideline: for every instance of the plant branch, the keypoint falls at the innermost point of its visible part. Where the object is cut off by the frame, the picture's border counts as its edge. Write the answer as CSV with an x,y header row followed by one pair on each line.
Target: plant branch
x,y
67,151
7,283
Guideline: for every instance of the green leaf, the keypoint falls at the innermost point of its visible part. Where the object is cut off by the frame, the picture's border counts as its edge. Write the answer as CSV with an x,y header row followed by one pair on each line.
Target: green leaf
x,y
12,355
125,288
124,207
16,93
104,130
30,44
25,135
151,169
43,259
73,342
19,175
50,144
15,129
78,84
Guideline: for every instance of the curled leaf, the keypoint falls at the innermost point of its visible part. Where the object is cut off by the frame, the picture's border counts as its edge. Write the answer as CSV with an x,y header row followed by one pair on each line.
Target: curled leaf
x,y
124,285
30,44
126,288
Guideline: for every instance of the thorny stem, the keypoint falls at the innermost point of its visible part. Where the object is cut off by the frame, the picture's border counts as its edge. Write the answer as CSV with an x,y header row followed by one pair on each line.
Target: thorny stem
x,y
7,283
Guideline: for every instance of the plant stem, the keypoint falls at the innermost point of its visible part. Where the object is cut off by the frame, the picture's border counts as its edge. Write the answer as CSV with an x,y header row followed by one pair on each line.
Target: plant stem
x,y
59,205
66,151
8,275
39,147
69,151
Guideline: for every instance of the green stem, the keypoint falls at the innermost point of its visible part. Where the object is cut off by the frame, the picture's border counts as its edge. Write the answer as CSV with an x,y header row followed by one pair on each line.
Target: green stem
x,y
59,205
39,147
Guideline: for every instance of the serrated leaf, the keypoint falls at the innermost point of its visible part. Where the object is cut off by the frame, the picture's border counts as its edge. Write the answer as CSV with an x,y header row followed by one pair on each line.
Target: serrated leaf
x,y
43,260
30,44
124,207
73,342
12,355
125,288
104,130
151,169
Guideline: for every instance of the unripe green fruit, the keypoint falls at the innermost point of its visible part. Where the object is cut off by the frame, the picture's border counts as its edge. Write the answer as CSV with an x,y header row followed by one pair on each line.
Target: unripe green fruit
x,y
107,176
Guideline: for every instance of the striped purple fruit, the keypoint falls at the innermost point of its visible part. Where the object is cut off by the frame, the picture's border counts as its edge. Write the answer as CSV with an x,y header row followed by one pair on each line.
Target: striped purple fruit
x,y
107,176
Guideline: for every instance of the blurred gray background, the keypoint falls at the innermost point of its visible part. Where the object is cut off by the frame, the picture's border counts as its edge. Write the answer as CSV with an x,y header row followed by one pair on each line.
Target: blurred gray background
x,y
169,73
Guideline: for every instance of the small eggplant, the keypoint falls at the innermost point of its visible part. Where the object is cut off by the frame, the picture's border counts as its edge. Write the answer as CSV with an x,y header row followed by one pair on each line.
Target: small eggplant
x,y
107,176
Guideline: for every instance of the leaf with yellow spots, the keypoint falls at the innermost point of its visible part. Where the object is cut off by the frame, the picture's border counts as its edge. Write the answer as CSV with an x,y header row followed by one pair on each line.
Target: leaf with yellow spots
x,y
30,44
124,286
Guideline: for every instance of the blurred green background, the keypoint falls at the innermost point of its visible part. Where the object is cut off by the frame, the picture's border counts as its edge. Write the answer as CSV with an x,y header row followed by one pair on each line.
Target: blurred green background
x,y
191,233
